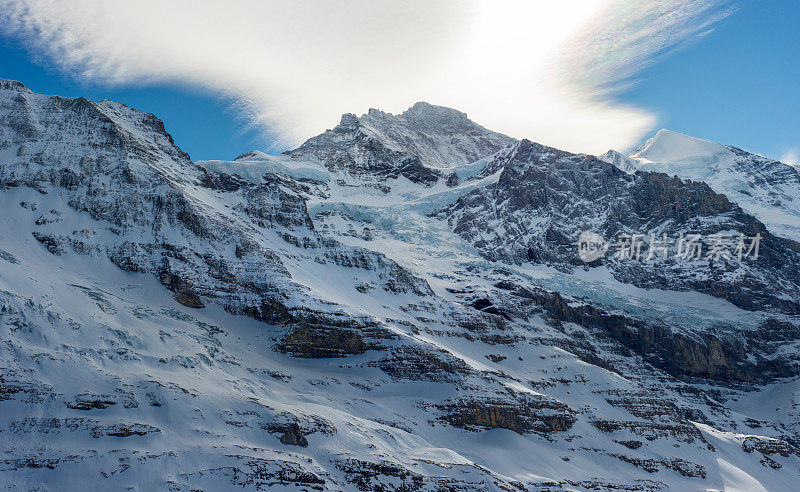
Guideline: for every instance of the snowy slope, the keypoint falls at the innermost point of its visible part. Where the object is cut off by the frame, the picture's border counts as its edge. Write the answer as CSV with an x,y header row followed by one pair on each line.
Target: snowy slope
x,y
768,189
669,146
305,322
621,161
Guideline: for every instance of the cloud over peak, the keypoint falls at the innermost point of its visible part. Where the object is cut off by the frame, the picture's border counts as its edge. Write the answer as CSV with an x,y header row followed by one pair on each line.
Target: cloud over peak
x,y
541,70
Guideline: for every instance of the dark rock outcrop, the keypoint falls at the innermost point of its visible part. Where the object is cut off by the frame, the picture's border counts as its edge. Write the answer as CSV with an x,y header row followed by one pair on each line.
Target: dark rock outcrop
x,y
321,335
519,413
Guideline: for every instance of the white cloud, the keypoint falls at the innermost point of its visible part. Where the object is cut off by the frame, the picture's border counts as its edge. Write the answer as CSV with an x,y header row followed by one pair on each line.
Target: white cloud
x,y
627,35
791,157
540,70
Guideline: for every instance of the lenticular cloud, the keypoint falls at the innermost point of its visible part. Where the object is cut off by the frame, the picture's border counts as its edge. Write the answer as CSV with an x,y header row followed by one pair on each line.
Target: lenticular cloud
x,y
530,70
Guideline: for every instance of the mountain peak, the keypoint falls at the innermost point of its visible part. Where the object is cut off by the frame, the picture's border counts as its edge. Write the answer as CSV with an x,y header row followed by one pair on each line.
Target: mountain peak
x,y
763,187
422,116
426,113
348,121
13,85
671,146
620,160
253,155
437,136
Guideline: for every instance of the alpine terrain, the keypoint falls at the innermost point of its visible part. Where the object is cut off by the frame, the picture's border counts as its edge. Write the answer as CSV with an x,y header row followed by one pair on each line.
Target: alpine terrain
x,y
765,188
397,304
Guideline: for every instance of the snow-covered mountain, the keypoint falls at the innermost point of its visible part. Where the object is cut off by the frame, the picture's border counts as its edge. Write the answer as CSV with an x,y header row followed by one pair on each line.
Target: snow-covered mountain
x,y
544,198
765,188
421,144
394,305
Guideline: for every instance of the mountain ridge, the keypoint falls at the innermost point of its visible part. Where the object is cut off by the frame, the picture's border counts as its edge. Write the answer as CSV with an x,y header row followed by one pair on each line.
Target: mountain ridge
x,y
766,188
426,139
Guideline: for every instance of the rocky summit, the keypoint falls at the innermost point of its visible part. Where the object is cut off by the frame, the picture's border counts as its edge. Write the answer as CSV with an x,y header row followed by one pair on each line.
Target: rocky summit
x,y
399,303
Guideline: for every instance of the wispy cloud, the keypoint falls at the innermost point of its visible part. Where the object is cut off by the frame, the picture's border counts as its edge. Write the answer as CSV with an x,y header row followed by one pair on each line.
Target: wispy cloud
x,y
791,157
628,35
540,70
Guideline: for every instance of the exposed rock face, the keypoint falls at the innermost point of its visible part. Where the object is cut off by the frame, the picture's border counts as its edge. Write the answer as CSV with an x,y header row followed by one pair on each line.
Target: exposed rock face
x,y
90,402
768,446
414,144
651,431
424,364
723,354
521,414
319,336
545,198
765,188
292,434
317,342
365,475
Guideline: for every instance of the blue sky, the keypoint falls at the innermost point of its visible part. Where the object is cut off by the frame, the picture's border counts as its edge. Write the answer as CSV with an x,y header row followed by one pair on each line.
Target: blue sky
x,y
738,85
202,123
